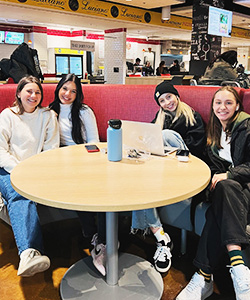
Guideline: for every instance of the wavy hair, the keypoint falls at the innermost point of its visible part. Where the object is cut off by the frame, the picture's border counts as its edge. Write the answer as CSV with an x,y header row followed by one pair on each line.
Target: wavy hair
x,y
214,125
21,84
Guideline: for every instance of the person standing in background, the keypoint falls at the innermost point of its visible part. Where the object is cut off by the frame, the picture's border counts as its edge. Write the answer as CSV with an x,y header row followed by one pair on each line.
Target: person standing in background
x,y
148,69
175,67
162,69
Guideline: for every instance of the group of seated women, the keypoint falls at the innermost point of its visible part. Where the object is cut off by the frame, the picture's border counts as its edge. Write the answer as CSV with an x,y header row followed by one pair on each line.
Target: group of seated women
x,y
27,128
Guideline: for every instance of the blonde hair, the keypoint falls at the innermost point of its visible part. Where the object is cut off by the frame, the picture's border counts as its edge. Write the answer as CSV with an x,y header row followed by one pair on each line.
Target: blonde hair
x,y
182,109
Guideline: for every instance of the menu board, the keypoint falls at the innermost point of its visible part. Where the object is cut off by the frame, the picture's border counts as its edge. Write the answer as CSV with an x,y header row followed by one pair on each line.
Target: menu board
x,y
11,37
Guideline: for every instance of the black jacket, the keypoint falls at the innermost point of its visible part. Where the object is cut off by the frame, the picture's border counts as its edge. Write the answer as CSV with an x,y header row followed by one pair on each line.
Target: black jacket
x,y
23,61
193,136
240,152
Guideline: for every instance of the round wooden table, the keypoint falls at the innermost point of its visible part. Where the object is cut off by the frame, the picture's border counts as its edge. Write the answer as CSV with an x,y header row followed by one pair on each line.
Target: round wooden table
x,y
72,178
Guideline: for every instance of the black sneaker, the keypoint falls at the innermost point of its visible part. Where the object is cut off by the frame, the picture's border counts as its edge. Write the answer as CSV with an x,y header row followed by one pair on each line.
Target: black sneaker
x,y
162,257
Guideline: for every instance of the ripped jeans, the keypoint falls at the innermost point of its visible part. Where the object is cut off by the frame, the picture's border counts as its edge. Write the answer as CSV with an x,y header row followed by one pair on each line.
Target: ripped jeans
x,y
145,218
172,138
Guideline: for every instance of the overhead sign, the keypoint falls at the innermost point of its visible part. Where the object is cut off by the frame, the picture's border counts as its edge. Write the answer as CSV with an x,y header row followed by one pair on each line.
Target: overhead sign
x,y
119,12
67,51
83,46
107,10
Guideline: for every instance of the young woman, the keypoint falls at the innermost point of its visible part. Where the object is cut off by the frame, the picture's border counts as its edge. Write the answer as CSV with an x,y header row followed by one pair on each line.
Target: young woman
x,y
175,67
182,128
162,69
228,148
26,129
77,125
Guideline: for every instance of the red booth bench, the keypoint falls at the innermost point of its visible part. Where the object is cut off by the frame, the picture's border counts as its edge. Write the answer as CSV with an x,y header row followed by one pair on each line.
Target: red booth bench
x,y
136,103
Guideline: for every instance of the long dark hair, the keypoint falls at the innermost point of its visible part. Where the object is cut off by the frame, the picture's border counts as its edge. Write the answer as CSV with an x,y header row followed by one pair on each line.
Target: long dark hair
x,y
161,66
21,84
77,124
214,125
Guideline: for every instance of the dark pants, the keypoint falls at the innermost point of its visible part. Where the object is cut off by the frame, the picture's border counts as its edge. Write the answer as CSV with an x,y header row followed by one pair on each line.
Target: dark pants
x,y
226,221
89,226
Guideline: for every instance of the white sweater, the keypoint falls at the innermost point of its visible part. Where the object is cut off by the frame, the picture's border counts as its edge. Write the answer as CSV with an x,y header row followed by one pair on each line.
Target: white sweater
x,y
22,136
88,118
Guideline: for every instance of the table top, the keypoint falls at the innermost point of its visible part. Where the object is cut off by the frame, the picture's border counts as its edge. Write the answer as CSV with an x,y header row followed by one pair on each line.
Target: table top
x,y
71,178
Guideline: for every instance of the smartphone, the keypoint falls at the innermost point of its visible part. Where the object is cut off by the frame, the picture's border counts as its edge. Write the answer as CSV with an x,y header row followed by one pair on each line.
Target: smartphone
x,y
182,155
92,148
181,152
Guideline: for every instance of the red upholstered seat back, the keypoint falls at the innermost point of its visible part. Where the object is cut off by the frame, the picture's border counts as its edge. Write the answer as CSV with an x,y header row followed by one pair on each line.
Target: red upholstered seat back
x,y
128,102
125,102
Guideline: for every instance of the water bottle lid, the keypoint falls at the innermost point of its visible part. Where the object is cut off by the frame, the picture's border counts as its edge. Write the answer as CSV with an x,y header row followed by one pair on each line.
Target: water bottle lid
x,y
115,123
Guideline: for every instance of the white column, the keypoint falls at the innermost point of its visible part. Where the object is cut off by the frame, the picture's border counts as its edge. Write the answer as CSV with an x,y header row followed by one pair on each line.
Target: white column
x,y
243,53
115,56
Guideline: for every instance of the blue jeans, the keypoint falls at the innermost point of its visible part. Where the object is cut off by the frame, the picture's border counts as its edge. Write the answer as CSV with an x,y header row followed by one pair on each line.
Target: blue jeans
x,y
173,139
23,216
143,219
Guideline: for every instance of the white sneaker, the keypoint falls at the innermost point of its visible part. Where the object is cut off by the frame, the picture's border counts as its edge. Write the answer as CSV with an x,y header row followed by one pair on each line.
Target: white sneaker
x,y
162,258
197,289
99,255
32,262
99,258
241,280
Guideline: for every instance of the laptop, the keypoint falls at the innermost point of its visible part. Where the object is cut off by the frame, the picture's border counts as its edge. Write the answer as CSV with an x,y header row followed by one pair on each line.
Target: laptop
x,y
144,137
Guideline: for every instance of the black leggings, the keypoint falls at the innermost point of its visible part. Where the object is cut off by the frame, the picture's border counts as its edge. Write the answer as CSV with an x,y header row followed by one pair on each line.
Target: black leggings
x,y
89,227
226,221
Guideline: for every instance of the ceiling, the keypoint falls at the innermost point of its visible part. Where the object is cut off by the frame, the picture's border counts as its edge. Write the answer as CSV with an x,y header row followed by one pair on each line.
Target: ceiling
x,y
10,14
148,4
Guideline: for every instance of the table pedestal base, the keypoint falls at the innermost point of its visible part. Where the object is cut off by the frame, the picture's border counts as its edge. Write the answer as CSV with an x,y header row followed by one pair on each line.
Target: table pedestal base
x,y
137,280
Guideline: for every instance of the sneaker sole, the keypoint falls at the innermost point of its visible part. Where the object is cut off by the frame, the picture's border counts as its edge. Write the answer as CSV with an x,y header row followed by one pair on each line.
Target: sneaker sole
x,y
163,270
35,268
209,293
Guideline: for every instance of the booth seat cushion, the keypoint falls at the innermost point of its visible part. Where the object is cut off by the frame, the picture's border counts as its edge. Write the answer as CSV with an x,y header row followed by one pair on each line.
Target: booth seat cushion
x,y
200,217
177,214
46,213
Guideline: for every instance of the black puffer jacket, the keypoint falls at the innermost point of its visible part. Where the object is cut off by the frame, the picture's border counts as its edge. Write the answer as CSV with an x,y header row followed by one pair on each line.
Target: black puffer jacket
x,y
240,152
23,61
193,136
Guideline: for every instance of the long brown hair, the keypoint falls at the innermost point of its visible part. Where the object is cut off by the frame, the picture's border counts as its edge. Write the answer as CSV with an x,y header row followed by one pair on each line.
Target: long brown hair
x,y
161,66
21,84
214,125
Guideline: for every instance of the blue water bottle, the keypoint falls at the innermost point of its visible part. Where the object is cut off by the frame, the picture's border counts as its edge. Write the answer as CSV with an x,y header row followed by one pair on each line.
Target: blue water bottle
x,y
114,139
